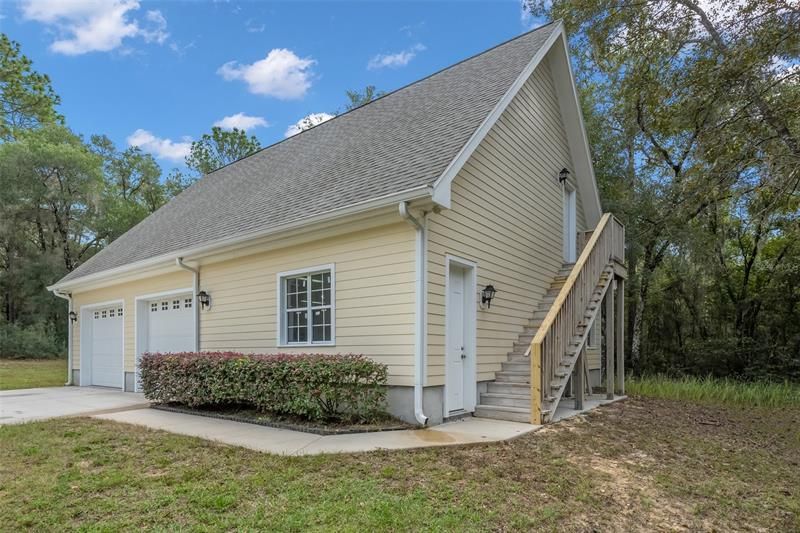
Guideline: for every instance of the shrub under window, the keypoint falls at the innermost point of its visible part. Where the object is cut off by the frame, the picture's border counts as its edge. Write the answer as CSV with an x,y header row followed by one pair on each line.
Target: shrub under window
x,y
316,387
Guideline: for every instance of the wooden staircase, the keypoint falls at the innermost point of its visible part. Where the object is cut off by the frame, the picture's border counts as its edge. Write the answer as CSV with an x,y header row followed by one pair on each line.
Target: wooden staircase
x,y
530,384
508,397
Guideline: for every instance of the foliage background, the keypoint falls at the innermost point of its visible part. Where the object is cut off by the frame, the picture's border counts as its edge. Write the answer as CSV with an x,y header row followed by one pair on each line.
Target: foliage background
x,y
692,109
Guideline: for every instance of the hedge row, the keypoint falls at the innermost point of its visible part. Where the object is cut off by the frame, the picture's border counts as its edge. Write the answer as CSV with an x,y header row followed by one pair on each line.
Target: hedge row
x,y
316,387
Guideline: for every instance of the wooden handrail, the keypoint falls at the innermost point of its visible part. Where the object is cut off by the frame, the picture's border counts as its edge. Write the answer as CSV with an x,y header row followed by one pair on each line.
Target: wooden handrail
x,y
606,245
573,275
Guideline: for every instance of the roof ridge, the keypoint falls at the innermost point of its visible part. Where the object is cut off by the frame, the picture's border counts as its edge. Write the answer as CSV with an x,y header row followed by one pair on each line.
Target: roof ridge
x,y
410,84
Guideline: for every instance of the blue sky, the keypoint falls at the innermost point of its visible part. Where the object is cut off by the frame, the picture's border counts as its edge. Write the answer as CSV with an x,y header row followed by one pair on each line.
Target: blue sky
x,y
158,74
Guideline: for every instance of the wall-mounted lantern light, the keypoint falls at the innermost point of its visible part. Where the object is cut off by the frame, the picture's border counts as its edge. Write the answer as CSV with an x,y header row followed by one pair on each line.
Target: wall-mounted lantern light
x,y
204,298
486,296
73,316
563,176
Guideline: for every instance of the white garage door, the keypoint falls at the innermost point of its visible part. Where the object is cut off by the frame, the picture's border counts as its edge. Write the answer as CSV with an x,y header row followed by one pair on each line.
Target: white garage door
x,y
106,347
170,325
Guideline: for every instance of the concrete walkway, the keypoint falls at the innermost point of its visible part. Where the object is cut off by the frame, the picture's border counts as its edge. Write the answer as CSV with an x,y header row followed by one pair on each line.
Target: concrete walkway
x,y
25,405
287,442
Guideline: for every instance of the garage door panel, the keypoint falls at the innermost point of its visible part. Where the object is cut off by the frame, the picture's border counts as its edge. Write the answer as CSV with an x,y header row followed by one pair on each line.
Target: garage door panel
x,y
171,325
106,347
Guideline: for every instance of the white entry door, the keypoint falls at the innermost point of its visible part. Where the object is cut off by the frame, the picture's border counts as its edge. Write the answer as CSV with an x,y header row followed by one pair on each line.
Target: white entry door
x,y
105,350
456,338
170,326
570,225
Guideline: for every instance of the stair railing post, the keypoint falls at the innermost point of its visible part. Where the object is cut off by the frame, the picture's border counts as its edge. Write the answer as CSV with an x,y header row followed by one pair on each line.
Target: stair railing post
x,y
536,384
620,337
610,344
577,377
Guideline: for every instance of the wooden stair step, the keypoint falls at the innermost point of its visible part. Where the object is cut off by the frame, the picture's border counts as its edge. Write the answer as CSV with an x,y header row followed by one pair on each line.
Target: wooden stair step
x,y
512,414
516,365
515,377
506,400
508,387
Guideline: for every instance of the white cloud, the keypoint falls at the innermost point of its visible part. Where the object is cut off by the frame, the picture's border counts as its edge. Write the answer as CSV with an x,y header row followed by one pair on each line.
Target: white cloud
x,y
84,26
252,27
158,32
241,121
281,74
399,59
309,121
161,148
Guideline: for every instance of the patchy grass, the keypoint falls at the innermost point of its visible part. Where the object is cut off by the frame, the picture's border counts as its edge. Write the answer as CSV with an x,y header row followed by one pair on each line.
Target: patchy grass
x,y
639,465
28,373
717,391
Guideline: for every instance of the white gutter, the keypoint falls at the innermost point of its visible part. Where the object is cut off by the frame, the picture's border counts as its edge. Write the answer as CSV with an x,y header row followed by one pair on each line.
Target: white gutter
x,y
195,304
420,318
68,297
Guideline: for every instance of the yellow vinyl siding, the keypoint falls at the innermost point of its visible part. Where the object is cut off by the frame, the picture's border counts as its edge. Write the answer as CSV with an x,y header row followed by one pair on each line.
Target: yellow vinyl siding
x,y
506,216
128,293
374,283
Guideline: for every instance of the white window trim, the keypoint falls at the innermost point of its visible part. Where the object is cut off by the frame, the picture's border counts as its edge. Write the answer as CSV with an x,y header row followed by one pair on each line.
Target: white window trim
x,y
281,334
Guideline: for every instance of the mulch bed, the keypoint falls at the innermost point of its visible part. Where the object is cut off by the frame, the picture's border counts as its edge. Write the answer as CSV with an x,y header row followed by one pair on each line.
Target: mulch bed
x,y
249,415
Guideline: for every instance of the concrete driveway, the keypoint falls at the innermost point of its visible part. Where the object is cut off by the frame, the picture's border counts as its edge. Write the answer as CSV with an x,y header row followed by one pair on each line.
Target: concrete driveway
x,y
25,405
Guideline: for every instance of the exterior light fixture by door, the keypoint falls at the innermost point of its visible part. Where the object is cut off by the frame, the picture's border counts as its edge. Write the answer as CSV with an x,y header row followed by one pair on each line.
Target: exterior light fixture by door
x,y
563,176
73,316
204,298
486,296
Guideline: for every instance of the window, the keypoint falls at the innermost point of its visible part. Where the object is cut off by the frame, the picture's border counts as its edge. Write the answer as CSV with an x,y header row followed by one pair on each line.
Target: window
x,y
104,313
153,307
176,304
96,315
119,312
307,307
165,306
187,303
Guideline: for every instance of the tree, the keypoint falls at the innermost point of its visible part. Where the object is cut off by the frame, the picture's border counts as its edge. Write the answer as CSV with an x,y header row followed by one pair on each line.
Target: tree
x,y
26,97
52,182
692,111
220,148
358,98
132,188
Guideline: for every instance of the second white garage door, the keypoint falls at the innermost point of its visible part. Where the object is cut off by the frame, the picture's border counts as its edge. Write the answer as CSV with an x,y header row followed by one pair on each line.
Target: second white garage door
x,y
170,325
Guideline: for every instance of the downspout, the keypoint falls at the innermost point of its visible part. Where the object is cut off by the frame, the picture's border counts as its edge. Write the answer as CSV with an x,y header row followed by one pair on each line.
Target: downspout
x,y
68,297
420,318
195,304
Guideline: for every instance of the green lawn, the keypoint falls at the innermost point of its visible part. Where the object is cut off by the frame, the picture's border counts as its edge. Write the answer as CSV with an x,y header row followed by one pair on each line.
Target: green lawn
x,y
638,465
28,373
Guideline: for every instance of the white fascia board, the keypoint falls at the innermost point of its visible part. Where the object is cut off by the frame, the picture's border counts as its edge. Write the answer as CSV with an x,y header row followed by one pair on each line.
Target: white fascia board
x,y
572,117
441,188
166,260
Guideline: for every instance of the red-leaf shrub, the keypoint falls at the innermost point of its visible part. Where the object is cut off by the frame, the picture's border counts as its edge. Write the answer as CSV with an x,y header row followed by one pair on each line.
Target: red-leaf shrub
x,y
317,387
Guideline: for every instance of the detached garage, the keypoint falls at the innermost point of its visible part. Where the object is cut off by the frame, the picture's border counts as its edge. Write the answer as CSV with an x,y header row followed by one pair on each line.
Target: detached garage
x,y
102,345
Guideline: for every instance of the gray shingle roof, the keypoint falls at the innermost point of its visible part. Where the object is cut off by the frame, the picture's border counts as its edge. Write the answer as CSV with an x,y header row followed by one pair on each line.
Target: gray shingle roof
x,y
396,143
